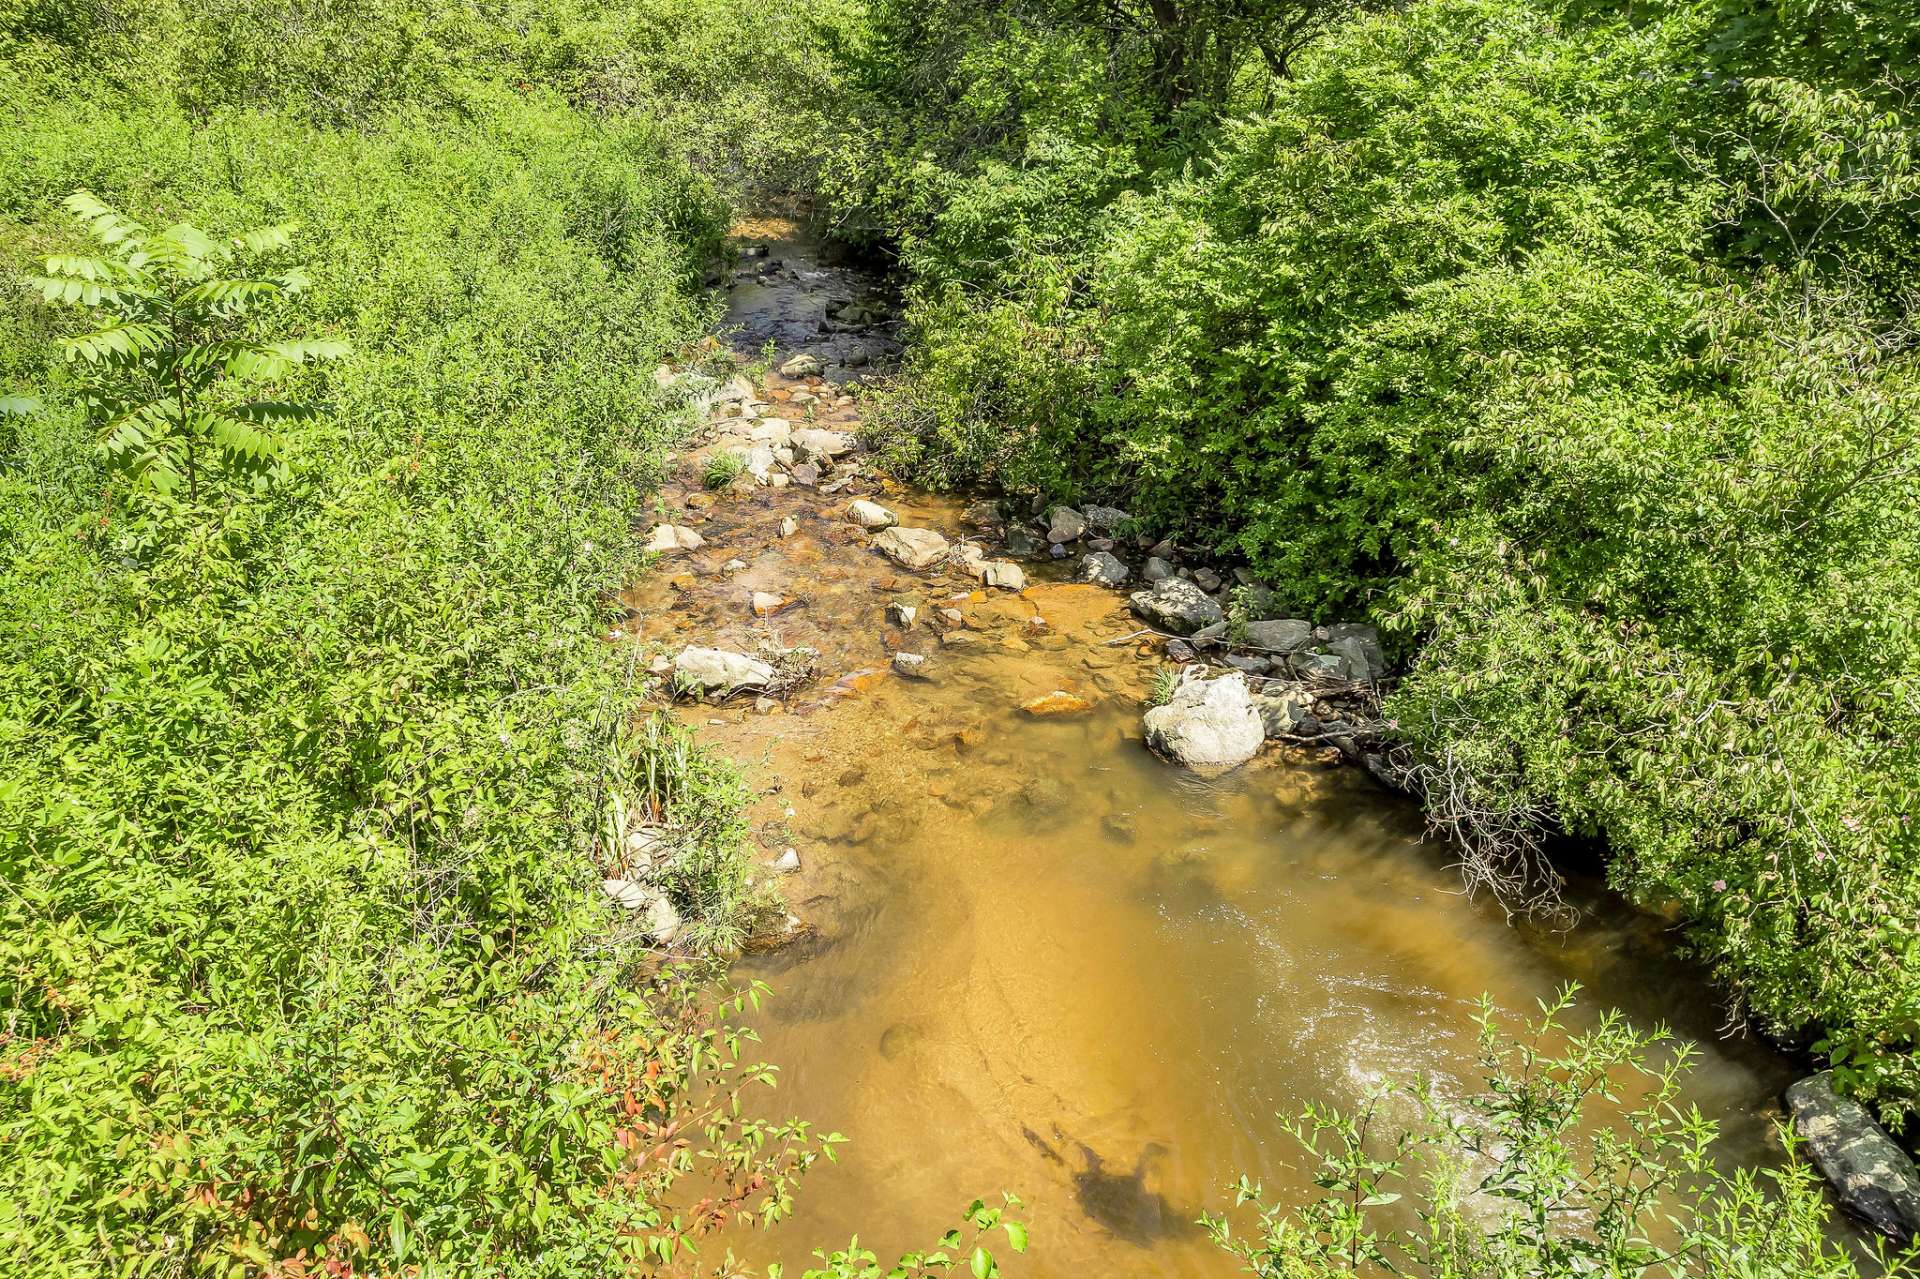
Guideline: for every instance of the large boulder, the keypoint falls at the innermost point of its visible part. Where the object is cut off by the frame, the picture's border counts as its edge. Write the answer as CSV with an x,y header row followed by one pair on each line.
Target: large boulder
x,y
716,672
1873,1176
1207,724
1105,520
1177,605
912,547
1285,635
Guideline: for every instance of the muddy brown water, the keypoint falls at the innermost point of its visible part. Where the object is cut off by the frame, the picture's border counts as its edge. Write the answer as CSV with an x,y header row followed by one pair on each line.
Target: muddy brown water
x,y
1039,959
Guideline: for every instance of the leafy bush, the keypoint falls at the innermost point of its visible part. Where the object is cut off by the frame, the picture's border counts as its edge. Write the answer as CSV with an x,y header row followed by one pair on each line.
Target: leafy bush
x,y
1584,370
1574,1159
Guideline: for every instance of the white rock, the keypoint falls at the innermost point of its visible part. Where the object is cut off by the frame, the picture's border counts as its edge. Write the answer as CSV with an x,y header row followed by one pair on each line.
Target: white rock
x,y
802,366
787,862
789,526
1004,574
714,670
674,537
774,431
661,920
817,442
766,604
870,515
911,547
910,665
1207,724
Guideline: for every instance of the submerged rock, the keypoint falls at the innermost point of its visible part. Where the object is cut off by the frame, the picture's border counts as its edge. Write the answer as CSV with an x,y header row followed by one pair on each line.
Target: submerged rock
x,y
1174,604
716,671
1207,724
902,614
1872,1175
910,665
911,547
1058,702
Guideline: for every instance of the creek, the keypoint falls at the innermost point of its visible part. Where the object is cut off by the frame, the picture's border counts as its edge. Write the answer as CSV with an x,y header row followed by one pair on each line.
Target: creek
x,y
1034,956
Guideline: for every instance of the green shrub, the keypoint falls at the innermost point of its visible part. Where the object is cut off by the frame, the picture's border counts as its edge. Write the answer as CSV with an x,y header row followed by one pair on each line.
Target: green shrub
x,y
1575,1158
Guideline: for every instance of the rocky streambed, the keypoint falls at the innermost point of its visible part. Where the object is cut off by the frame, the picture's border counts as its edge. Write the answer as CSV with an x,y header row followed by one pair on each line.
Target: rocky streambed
x,y
1088,878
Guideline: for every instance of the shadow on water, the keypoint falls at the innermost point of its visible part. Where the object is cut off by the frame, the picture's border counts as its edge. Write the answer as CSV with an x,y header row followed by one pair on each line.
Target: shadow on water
x,y
1119,1202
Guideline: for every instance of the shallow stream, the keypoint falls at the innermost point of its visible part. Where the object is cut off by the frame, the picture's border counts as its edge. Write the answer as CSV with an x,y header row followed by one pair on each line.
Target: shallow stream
x,y
1038,958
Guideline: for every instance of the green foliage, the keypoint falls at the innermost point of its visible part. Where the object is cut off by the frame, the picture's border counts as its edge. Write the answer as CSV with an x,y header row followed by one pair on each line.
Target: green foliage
x,y
956,1249
723,468
1575,1158
171,343
1573,348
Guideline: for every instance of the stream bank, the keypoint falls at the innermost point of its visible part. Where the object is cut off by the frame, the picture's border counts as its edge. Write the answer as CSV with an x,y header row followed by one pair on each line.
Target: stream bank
x,y
1025,952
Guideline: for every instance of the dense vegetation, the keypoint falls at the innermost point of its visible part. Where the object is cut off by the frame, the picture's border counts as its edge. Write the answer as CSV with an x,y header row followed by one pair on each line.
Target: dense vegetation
x,y
308,741
1572,347
1571,343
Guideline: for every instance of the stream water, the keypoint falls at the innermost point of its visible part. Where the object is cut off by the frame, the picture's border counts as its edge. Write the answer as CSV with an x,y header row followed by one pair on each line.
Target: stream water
x,y
1038,958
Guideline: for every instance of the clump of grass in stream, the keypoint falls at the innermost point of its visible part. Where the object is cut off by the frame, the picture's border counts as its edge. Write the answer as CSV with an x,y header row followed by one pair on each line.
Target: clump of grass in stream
x,y
660,778
1165,681
724,468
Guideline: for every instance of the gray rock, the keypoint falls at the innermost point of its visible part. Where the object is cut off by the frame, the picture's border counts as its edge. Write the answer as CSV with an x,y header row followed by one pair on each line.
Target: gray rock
x,y
1099,544
789,526
806,474
901,613
1251,665
1064,524
716,671
1207,580
1175,605
1209,635
1102,568
1280,713
774,432
1105,520
786,863
1022,542
1873,1176
1157,569
1358,646
1285,635
1058,551
910,665
912,547
802,366
1207,724
870,515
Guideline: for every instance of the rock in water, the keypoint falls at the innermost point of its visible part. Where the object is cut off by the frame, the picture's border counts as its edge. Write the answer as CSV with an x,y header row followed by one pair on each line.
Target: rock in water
x,y
789,526
1004,574
870,515
1873,1176
910,665
714,670
1177,605
1207,724
802,366
815,442
766,604
1102,568
912,547
674,537
1064,524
